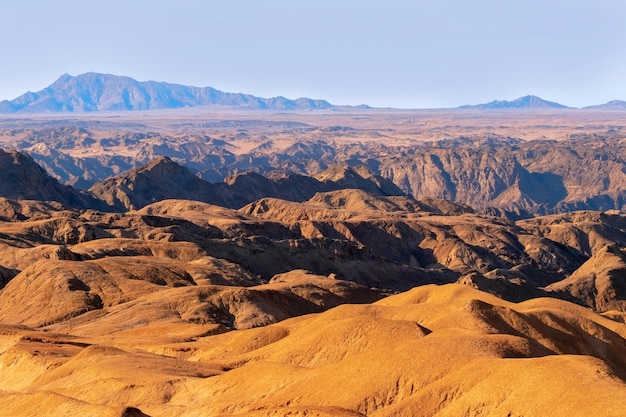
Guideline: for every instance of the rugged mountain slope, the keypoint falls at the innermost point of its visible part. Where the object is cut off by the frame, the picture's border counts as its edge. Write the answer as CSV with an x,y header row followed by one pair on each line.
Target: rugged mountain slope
x,y
587,231
163,179
358,177
349,204
160,179
109,295
538,176
101,92
23,179
600,282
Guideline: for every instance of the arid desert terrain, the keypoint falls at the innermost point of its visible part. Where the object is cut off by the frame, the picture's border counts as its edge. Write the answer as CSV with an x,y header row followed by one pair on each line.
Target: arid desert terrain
x,y
334,262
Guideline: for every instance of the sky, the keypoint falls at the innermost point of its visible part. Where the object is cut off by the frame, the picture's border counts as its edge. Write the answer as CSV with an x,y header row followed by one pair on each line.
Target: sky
x,y
385,53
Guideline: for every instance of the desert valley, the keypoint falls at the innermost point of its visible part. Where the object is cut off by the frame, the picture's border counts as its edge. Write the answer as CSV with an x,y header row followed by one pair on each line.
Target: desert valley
x,y
297,258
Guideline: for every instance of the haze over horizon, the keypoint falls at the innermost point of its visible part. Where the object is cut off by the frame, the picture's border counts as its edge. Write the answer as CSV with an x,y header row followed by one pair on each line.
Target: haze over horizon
x,y
397,54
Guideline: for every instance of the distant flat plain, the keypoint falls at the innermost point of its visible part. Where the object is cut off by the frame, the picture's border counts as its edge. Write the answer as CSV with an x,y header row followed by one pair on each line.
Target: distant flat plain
x,y
395,126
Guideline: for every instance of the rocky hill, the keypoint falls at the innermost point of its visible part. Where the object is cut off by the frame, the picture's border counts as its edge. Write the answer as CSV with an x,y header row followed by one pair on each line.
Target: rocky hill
x,y
104,92
600,281
163,179
158,180
24,179
391,243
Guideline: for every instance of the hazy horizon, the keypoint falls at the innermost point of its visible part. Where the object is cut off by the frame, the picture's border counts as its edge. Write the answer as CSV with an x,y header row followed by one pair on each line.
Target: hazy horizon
x,y
417,55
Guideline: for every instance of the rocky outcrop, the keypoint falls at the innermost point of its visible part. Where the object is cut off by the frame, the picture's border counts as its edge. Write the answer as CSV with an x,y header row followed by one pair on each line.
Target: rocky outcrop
x,y
23,179
600,282
160,179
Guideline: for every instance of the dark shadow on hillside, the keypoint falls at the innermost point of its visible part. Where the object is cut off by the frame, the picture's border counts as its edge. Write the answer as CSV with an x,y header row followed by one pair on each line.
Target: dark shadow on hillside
x,y
544,188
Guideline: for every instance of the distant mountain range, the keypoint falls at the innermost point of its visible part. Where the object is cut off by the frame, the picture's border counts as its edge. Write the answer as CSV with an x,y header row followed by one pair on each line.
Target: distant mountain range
x,y
534,102
611,105
92,92
526,102
104,92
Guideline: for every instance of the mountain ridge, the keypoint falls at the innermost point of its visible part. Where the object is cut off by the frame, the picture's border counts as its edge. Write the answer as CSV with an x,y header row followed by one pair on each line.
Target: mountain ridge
x,y
611,105
525,102
163,178
91,92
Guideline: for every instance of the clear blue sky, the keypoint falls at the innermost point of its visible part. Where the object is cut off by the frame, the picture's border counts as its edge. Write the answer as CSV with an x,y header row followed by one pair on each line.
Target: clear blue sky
x,y
409,53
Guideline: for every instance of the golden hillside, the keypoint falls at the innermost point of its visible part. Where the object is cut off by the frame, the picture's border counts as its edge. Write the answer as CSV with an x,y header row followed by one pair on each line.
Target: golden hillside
x,y
435,350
